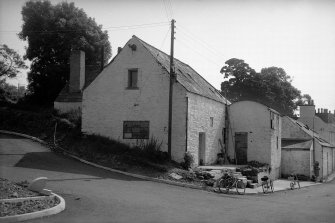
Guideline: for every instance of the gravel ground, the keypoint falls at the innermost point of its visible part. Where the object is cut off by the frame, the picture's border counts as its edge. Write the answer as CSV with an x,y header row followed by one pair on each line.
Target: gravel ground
x,y
13,190
28,206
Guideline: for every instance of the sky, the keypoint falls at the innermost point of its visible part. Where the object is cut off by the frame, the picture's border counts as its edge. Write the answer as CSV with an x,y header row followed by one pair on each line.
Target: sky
x,y
296,35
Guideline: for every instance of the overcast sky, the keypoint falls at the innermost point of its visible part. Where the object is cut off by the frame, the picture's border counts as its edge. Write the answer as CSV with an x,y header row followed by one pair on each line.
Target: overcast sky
x,y
298,36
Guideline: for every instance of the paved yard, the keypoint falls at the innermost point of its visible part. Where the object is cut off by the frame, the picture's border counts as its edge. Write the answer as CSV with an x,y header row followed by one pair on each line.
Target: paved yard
x,y
95,195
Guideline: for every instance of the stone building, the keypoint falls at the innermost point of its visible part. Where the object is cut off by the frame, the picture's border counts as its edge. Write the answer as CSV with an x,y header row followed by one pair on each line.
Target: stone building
x,y
129,101
301,146
320,122
254,135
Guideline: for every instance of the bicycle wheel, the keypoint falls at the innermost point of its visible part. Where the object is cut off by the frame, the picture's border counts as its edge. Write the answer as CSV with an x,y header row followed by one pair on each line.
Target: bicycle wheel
x,y
240,187
265,187
271,186
223,185
292,185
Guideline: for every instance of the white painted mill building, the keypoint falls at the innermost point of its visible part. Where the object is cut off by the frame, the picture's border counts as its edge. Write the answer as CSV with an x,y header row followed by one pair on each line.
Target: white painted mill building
x,y
129,101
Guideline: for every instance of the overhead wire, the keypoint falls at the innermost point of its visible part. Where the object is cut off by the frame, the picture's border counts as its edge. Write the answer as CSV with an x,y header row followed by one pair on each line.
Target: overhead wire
x,y
185,31
111,28
162,44
184,43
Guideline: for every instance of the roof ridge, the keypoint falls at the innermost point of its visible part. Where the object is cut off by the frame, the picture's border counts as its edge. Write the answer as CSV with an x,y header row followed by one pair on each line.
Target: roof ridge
x,y
184,64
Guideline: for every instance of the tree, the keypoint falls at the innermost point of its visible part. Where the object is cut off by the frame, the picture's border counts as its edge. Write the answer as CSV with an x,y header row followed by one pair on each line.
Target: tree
x,y
10,62
52,32
272,86
304,99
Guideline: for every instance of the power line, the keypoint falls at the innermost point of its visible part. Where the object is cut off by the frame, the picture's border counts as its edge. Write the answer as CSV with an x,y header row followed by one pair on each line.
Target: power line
x,y
165,37
184,43
111,28
205,44
166,11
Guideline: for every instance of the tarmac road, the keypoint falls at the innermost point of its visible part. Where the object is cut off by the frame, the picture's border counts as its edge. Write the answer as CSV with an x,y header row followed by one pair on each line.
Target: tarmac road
x,y
95,195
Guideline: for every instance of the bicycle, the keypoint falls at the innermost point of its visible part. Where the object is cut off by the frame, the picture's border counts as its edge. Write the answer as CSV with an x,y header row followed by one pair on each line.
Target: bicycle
x,y
267,185
228,181
294,181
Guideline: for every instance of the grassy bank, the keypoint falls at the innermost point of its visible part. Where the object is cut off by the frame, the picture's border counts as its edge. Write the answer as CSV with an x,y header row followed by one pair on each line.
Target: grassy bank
x,y
64,130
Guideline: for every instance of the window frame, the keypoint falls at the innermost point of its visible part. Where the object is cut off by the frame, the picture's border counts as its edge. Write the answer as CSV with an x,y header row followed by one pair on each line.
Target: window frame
x,y
131,78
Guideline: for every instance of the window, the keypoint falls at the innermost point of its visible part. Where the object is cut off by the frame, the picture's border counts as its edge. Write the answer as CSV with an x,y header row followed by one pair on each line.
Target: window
x,y
212,121
132,79
272,120
136,129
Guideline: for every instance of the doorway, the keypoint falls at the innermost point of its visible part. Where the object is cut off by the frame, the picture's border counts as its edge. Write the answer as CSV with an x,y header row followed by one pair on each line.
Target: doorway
x,y
241,147
202,148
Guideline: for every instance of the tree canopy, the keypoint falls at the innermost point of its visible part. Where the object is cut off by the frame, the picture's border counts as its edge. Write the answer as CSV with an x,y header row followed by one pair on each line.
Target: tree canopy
x,y
10,62
52,32
272,86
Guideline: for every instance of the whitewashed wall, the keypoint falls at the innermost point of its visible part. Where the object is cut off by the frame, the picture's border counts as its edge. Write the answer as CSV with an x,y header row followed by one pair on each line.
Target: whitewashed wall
x,y
107,102
254,118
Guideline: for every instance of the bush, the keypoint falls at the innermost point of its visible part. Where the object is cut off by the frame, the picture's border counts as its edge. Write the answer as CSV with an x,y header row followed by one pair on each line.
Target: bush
x,y
151,149
188,161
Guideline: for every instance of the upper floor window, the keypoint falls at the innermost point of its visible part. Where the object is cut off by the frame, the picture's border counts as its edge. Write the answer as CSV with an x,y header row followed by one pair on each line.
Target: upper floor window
x,y
132,78
272,120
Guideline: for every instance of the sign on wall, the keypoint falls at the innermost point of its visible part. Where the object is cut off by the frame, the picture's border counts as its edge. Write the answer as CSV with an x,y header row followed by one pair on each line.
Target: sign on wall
x,y
136,129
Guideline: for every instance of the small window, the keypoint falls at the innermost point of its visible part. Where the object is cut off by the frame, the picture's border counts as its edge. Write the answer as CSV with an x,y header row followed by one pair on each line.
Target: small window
x,y
212,121
136,129
277,142
272,120
132,79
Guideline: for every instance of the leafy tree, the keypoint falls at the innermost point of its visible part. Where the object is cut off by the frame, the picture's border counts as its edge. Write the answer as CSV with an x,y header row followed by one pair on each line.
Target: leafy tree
x,y
10,92
272,86
10,62
304,100
52,32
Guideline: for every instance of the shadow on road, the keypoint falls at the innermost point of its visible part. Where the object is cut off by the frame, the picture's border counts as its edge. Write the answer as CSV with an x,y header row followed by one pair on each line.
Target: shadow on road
x,y
57,162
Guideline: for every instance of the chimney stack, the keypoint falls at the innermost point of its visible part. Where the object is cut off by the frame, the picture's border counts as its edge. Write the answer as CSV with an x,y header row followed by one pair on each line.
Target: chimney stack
x,y
119,49
77,71
307,111
318,110
326,110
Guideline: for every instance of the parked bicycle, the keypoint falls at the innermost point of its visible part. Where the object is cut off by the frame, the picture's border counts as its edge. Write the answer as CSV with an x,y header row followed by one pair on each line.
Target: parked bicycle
x,y
267,185
229,181
294,181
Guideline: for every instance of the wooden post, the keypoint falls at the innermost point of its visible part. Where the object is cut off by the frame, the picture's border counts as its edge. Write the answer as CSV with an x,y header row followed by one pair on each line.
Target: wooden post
x,y
172,79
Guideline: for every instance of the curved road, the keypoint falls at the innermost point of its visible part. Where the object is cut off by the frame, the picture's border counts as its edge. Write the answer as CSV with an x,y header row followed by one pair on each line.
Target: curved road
x,y
95,195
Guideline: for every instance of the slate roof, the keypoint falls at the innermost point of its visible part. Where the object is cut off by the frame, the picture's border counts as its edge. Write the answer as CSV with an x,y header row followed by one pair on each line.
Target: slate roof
x,y
311,133
300,145
185,75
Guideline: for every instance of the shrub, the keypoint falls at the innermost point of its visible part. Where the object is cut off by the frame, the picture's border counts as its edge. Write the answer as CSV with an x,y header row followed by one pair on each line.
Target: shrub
x,y
188,161
151,149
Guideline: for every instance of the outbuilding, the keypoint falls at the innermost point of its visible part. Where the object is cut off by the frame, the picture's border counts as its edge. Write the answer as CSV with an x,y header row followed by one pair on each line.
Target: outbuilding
x,y
254,135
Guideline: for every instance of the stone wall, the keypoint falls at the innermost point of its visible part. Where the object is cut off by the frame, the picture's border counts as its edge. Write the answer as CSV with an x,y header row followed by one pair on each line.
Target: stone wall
x,y
200,111
66,107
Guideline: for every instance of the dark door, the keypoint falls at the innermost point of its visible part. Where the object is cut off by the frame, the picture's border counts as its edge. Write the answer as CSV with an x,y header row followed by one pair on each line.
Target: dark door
x,y
241,146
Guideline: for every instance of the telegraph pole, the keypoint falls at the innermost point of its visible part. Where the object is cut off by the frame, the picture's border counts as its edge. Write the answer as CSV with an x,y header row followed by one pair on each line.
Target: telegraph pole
x,y
172,79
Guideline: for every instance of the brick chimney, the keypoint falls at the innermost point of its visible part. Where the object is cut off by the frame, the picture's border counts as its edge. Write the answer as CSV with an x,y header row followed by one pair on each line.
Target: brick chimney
x,y
307,111
77,71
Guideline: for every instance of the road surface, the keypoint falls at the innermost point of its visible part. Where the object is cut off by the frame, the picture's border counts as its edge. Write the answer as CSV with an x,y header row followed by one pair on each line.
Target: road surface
x,y
95,195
